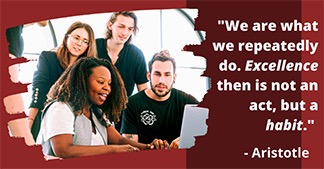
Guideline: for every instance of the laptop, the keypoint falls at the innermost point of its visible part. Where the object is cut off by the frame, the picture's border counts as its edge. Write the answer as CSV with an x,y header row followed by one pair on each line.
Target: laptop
x,y
193,124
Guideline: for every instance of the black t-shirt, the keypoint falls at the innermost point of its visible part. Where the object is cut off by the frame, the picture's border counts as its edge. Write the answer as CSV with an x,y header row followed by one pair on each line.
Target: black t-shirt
x,y
15,40
130,64
152,119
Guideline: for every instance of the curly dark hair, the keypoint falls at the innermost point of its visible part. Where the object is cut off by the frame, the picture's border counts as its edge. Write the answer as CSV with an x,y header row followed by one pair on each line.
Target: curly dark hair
x,y
73,87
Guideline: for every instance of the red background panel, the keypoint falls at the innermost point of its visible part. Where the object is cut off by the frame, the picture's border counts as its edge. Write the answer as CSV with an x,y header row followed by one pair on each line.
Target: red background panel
x,y
232,128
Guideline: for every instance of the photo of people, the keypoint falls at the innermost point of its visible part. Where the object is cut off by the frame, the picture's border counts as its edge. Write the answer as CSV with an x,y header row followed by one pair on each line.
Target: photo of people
x,y
121,39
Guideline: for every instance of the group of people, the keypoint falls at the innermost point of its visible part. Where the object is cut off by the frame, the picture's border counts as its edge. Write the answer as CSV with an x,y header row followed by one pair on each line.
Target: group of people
x,y
82,102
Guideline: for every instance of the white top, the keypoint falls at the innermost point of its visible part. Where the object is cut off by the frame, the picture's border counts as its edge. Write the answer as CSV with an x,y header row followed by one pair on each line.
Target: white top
x,y
96,139
58,120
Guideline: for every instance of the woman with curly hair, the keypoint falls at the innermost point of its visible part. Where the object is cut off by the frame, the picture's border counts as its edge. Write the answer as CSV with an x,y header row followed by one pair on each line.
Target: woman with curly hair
x,y
75,121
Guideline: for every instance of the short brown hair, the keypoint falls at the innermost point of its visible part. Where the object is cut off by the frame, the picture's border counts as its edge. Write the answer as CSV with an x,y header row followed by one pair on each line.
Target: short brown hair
x,y
162,56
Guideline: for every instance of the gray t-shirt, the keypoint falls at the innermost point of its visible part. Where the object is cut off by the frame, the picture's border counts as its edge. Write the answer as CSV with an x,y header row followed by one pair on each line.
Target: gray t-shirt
x,y
59,119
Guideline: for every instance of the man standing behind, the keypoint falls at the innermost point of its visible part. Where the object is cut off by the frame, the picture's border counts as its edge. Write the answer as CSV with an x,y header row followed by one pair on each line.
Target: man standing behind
x,y
118,49
156,113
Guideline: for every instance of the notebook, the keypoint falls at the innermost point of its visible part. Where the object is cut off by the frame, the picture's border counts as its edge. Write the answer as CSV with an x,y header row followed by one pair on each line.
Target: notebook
x,y
193,124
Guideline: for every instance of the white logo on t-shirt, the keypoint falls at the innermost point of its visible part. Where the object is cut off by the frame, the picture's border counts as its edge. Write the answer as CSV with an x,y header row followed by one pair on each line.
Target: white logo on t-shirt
x,y
148,117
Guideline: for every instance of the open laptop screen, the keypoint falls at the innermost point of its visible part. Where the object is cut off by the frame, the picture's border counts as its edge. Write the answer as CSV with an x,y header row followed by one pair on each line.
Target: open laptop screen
x,y
193,124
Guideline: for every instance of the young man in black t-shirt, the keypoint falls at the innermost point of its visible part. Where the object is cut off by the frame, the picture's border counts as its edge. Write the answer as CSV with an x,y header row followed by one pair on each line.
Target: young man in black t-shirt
x,y
118,49
155,114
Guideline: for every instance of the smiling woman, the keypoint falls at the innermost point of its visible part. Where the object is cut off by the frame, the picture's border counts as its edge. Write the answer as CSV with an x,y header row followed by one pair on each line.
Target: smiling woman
x,y
99,85
75,123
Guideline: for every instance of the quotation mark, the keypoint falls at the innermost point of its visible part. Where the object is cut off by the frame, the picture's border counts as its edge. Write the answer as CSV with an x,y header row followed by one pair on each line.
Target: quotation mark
x,y
221,22
311,121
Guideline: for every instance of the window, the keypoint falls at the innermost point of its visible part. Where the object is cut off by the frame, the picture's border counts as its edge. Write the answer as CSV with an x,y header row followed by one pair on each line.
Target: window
x,y
158,29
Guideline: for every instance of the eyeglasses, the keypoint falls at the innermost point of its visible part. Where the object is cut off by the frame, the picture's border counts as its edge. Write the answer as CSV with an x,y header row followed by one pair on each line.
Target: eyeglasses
x,y
77,39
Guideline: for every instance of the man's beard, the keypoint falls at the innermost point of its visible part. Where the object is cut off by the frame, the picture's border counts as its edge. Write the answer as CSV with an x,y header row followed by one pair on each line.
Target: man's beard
x,y
157,93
